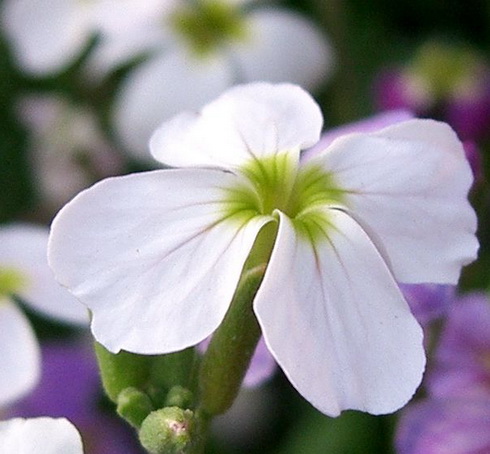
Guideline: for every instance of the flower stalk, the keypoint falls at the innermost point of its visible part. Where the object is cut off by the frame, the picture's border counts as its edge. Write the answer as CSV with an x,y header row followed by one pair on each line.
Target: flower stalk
x,y
228,356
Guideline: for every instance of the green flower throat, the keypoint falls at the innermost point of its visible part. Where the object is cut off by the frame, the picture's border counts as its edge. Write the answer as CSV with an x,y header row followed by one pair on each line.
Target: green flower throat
x,y
279,183
11,281
205,25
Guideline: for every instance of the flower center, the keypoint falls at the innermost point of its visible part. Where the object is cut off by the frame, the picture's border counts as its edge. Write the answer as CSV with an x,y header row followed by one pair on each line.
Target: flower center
x,y
11,281
206,24
281,183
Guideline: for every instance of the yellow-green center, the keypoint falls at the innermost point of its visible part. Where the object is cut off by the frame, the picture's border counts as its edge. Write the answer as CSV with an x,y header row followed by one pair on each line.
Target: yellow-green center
x,y
445,67
280,183
11,281
206,24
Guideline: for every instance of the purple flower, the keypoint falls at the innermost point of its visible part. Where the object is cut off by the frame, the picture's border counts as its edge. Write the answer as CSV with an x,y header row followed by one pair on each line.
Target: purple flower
x,y
428,301
437,426
468,110
462,365
455,418
70,387
447,82
393,89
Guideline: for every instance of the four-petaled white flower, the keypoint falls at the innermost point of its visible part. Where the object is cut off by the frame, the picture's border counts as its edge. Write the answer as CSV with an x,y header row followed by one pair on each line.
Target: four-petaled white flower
x,y
39,435
156,256
24,273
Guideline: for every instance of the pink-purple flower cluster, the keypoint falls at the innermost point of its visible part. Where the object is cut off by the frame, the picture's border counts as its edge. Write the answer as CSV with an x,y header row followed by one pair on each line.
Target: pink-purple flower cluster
x,y
455,416
446,82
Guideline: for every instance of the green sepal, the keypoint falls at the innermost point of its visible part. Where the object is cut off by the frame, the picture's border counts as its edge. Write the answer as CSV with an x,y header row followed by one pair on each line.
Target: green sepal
x,y
134,406
122,370
174,369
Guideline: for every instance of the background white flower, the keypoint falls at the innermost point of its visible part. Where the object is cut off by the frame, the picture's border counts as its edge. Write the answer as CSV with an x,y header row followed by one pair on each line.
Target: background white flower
x,y
47,35
24,272
39,435
260,44
19,349
196,50
159,254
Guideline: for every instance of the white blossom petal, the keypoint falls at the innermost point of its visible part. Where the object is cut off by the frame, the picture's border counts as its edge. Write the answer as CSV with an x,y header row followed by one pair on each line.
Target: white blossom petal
x,y
46,34
408,183
39,435
369,124
162,87
153,257
20,354
336,322
248,121
23,248
128,29
283,46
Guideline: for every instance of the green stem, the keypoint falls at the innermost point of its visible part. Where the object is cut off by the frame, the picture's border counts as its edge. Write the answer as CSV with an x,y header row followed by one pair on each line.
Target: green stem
x,y
231,348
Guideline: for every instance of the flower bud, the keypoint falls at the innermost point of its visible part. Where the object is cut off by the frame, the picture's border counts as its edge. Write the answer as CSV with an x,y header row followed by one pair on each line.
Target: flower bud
x,y
168,431
134,406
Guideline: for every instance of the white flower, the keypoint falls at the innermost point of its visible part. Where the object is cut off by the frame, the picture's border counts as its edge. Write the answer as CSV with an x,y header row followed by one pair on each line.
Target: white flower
x,y
39,435
47,35
156,256
24,272
211,45
20,354
68,150
197,49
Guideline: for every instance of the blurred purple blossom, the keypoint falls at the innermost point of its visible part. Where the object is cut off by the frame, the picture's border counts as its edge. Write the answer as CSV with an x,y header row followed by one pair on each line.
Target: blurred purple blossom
x,y
438,426
444,81
428,301
462,366
70,387
455,418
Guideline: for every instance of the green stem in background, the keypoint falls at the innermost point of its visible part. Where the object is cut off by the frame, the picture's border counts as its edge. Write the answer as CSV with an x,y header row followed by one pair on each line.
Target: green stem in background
x,y
231,348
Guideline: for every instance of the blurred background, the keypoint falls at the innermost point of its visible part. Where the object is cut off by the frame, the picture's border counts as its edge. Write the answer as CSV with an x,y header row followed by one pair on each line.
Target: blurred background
x,y
76,104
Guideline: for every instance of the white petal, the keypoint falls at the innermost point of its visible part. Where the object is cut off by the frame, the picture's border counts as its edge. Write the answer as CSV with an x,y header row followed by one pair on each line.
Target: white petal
x,y
39,435
129,28
283,47
20,354
369,124
408,183
247,121
46,34
162,87
23,248
336,322
151,255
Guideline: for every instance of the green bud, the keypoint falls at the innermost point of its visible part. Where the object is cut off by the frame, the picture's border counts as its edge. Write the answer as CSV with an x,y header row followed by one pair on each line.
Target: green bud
x,y
179,396
134,406
168,431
